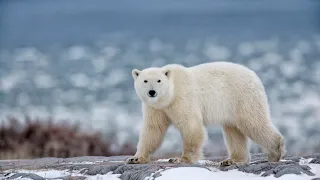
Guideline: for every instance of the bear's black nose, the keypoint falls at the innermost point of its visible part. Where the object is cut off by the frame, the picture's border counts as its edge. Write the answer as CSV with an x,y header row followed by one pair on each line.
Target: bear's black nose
x,y
152,93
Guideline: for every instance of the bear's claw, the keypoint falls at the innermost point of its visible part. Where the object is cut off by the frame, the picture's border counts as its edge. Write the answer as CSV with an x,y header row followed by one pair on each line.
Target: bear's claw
x,y
173,160
132,160
136,160
229,162
178,160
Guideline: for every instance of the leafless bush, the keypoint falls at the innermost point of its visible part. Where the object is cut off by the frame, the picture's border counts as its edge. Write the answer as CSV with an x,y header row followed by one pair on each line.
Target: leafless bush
x,y
43,138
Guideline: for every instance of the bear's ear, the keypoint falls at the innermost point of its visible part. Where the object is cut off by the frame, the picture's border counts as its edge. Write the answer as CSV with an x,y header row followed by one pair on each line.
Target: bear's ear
x,y
135,73
167,72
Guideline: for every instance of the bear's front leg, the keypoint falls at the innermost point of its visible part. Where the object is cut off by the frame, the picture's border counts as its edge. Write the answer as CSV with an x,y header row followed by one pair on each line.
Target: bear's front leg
x,y
151,135
193,135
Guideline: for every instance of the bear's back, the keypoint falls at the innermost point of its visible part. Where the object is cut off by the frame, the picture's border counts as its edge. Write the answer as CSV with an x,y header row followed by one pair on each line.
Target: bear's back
x,y
222,86
224,73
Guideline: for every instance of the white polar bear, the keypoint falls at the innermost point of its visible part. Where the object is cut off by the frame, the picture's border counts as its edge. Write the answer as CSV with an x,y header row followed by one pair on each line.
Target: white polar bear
x,y
222,93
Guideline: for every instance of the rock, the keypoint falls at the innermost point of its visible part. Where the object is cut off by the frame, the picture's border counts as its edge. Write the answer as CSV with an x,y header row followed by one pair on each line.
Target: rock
x,y
101,169
26,175
315,160
277,169
90,166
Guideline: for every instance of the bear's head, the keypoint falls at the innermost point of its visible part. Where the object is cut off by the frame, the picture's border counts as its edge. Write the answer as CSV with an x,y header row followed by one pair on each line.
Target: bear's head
x,y
154,86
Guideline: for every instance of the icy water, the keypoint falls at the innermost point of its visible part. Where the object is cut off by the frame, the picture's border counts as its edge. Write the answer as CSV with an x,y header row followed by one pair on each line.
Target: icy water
x,y
72,59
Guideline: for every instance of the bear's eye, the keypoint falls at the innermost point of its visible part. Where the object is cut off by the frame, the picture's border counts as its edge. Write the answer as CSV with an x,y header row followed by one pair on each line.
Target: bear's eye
x,y
145,81
159,81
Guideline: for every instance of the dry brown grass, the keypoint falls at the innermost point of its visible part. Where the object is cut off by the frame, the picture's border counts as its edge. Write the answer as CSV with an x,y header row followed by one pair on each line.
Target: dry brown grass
x,y
43,138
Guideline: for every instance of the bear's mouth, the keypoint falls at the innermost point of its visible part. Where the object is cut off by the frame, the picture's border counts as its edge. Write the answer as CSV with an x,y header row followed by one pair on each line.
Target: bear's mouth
x,y
152,93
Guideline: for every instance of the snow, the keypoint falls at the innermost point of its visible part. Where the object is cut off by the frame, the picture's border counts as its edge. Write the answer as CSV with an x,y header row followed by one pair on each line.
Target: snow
x,y
315,168
194,173
163,160
82,162
187,173
62,173
200,162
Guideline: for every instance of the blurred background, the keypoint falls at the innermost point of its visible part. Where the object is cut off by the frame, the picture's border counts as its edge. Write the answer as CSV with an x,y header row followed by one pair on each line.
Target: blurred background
x,y
65,68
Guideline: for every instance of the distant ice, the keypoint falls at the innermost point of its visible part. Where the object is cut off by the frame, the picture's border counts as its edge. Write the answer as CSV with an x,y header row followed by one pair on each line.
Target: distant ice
x,y
217,52
10,81
246,48
77,53
79,80
116,76
43,80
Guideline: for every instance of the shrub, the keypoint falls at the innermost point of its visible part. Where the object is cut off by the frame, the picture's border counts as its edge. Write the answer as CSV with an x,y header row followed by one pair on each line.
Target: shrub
x,y
43,138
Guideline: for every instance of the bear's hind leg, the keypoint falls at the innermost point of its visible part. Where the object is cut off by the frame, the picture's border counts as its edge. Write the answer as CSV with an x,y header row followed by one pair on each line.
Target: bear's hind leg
x,y
267,137
237,145
276,153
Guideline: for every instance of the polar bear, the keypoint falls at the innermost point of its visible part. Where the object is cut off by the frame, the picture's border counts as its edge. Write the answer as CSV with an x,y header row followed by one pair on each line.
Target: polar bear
x,y
189,98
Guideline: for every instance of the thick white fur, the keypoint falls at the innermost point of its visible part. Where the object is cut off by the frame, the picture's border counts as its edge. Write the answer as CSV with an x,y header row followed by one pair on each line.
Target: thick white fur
x,y
222,93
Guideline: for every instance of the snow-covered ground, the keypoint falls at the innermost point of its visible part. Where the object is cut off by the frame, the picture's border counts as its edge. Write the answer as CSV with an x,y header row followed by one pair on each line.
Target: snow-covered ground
x,y
186,173
194,173
59,173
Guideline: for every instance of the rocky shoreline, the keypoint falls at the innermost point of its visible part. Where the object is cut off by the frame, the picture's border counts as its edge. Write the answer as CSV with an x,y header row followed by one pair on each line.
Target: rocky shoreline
x,y
93,165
